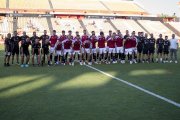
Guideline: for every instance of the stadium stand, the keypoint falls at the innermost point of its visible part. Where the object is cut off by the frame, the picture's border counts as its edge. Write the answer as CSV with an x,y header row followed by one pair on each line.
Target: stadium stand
x,y
80,8
6,25
97,25
30,24
66,24
176,25
155,27
124,24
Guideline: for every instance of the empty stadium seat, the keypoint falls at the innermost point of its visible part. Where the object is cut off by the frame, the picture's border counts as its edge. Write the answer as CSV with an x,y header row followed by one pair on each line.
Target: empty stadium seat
x,y
30,24
124,24
66,24
155,27
6,25
97,25
176,25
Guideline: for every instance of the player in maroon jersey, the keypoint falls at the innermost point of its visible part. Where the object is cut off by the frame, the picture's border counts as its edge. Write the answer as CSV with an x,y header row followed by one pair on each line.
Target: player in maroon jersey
x,y
107,37
127,43
118,32
63,36
84,38
110,35
134,46
111,43
70,34
101,46
77,34
68,49
119,47
87,50
93,40
59,50
53,39
76,49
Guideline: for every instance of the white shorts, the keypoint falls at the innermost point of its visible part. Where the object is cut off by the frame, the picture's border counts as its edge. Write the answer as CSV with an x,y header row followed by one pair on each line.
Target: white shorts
x,y
69,51
87,50
112,50
119,50
58,52
76,52
52,50
134,49
94,50
82,50
128,51
7,53
102,50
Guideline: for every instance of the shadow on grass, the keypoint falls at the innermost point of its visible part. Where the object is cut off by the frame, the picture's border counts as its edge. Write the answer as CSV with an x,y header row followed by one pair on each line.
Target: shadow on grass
x,y
79,93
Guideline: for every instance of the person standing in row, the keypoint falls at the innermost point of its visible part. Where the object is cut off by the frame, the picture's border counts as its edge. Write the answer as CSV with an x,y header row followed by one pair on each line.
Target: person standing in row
x,y
173,49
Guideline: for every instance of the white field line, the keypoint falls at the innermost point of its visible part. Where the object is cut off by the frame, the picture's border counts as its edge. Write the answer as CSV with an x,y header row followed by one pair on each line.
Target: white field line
x,y
139,88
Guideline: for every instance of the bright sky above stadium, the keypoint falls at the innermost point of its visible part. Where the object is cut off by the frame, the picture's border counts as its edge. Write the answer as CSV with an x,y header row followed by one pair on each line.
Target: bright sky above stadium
x,y
160,6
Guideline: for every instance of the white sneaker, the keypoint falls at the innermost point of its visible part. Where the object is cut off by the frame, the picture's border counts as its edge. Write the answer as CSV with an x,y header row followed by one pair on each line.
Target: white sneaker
x,y
131,62
26,65
176,62
89,63
84,63
114,62
72,63
96,62
170,61
135,61
22,65
161,59
123,62
80,63
157,60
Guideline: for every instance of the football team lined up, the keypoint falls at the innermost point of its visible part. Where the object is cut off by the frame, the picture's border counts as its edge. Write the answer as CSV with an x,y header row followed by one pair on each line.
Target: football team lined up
x,y
67,49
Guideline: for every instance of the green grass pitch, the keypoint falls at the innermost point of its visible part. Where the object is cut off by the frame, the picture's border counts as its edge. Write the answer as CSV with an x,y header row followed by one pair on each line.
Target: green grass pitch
x,y
80,93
